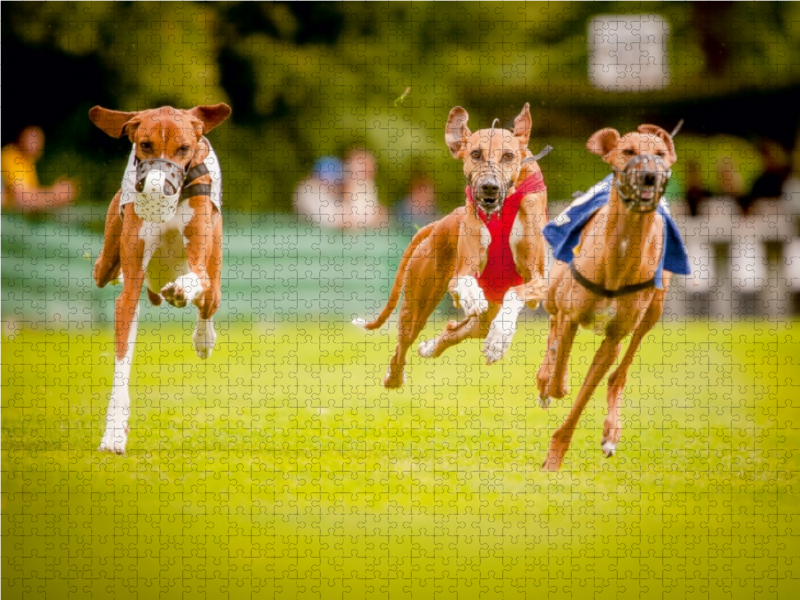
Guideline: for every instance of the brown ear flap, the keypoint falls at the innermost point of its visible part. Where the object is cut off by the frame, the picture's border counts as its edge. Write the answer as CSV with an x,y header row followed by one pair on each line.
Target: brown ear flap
x,y
657,131
210,116
456,130
602,142
523,124
113,122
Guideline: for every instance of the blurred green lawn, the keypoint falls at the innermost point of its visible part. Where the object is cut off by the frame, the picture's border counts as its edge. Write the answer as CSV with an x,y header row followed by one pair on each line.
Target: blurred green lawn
x,y
281,468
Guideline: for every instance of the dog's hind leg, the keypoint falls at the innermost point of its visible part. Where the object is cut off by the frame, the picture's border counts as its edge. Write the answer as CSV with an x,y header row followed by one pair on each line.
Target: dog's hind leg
x,y
558,352
612,426
603,359
414,314
107,267
455,333
134,257
126,322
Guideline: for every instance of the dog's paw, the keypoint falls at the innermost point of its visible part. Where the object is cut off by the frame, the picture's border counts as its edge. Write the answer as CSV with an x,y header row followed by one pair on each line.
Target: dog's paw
x,y
394,380
609,448
503,328
114,440
427,348
182,291
498,340
469,296
204,338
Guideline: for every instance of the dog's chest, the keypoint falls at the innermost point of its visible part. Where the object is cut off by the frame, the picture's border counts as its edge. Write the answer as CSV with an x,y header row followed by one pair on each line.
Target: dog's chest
x,y
165,247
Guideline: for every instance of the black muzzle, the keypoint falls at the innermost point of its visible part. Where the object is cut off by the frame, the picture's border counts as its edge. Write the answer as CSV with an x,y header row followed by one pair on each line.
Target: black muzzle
x,y
642,183
489,187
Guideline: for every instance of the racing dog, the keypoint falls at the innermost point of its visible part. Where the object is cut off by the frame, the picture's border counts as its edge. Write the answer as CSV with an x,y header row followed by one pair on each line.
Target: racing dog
x,y
489,254
615,247
163,230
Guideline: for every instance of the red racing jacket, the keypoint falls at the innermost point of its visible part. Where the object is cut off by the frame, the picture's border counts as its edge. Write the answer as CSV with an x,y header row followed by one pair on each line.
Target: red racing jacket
x,y
500,273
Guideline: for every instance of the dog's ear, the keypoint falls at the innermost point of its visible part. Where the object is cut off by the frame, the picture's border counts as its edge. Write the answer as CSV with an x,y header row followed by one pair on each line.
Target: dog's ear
x,y
210,116
602,142
657,131
456,131
115,123
523,124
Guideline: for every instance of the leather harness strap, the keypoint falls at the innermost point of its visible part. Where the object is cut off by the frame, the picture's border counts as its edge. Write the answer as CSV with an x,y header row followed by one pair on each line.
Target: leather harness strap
x,y
606,293
196,189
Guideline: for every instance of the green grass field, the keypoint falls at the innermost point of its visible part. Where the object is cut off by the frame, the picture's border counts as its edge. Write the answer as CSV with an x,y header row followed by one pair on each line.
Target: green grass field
x,y
281,468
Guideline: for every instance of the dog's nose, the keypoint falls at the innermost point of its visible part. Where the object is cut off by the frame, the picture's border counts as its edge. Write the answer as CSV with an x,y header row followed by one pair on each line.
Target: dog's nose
x,y
490,189
649,179
139,186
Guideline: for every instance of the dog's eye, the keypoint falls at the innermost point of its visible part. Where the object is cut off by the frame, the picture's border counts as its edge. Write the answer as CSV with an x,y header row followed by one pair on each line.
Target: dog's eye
x,y
627,152
508,156
476,154
183,149
146,146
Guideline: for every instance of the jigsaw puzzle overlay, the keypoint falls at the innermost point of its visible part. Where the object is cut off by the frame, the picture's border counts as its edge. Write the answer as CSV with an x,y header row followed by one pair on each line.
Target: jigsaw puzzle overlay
x,y
358,370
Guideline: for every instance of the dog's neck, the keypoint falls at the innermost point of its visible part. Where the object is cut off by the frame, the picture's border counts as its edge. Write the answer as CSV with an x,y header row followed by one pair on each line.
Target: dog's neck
x,y
526,170
634,242
200,153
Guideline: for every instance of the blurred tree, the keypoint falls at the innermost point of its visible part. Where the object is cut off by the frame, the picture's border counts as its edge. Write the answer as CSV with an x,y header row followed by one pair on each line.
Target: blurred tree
x,y
311,79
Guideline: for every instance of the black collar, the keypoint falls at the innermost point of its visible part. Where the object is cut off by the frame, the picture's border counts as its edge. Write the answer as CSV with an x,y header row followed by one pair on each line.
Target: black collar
x,y
606,293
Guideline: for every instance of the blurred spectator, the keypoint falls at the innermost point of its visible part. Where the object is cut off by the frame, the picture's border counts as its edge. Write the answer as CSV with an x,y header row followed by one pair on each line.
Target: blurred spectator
x,y
418,208
769,184
319,196
730,184
360,192
730,180
21,190
791,188
696,192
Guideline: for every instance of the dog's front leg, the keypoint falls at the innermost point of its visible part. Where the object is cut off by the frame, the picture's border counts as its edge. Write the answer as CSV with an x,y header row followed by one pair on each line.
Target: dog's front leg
x,y
198,238
530,256
472,248
201,286
133,257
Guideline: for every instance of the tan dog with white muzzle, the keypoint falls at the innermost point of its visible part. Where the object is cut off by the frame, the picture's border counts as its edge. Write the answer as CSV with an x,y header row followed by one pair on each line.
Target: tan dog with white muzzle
x,y
163,230
616,247
490,254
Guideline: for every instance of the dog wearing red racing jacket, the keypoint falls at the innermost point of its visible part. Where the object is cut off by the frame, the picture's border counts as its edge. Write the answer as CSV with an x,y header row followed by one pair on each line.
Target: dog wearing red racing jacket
x,y
489,254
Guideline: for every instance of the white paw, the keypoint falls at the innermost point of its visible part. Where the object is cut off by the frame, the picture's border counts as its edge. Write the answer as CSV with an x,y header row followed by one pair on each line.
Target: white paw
x,y
359,322
544,402
469,296
609,448
498,340
503,328
114,440
184,290
204,338
426,348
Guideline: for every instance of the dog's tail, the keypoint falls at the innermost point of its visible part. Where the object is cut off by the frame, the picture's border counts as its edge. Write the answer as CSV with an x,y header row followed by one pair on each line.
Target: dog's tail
x,y
397,287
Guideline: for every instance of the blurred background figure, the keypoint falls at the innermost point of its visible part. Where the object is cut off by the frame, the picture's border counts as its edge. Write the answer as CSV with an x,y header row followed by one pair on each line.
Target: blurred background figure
x,y
364,211
418,208
21,190
777,169
319,196
696,191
